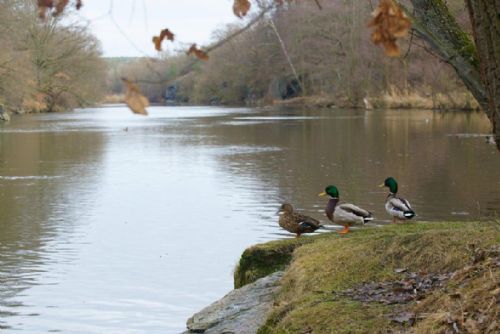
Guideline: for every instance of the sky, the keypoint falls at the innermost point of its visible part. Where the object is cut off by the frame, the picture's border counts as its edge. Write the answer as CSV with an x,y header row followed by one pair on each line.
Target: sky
x,y
137,21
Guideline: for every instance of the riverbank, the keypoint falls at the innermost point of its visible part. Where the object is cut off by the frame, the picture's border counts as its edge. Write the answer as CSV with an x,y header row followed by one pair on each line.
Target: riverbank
x,y
412,278
394,99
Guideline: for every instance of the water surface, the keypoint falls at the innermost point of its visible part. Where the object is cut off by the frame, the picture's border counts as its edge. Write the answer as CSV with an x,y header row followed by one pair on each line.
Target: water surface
x,y
117,223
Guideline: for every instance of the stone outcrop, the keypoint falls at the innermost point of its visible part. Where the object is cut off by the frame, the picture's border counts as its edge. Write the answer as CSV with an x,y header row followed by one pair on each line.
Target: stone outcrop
x,y
242,311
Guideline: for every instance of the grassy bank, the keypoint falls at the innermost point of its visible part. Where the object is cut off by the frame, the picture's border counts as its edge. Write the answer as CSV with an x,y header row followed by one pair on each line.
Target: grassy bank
x,y
323,265
393,99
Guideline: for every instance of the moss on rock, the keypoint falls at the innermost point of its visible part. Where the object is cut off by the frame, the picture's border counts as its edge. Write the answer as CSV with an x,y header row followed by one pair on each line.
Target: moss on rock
x,y
261,260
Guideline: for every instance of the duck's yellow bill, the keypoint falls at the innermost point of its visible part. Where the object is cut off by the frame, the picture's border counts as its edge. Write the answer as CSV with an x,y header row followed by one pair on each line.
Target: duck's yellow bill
x,y
322,194
381,185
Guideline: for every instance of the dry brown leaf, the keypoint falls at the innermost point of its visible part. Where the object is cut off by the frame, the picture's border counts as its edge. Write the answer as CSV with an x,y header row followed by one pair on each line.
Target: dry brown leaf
x,y
56,7
61,4
165,33
197,52
134,98
389,22
43,6
241,7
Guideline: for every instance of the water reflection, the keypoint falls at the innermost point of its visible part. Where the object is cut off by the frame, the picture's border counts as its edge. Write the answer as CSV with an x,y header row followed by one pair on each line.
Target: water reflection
x,y
117,223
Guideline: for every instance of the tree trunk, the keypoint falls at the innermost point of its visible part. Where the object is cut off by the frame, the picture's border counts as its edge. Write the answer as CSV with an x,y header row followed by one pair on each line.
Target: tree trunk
x,y
485,19
478,69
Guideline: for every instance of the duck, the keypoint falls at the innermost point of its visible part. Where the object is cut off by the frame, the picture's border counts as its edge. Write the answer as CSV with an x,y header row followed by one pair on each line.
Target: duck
x,y
345,214
397,207
295,222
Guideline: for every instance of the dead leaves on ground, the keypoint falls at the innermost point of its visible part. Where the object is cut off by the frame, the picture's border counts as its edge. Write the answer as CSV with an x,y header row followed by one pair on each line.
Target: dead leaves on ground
x,y
413,286
390,23
54,7
200,54
134,98
157,40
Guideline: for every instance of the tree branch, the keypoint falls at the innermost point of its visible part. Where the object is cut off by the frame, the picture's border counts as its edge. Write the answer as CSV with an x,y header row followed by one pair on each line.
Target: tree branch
x,y
285,52
186,69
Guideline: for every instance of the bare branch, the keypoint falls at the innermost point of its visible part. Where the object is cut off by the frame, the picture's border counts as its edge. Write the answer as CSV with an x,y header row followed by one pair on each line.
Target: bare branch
x,y
213,47
285,52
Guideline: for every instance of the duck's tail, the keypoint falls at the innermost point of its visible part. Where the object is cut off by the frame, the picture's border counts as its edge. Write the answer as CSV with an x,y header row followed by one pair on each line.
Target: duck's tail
x,y
368,218
409,214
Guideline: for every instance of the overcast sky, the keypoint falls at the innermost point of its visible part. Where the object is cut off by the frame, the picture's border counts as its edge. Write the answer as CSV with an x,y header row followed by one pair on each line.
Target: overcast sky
x,y
192,21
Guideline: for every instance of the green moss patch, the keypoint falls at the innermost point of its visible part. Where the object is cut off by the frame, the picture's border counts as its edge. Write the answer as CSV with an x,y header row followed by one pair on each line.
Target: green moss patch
x,y
264,259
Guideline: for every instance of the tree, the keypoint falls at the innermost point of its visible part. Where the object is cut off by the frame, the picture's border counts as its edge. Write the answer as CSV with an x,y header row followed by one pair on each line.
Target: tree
x,y
45,65
477,64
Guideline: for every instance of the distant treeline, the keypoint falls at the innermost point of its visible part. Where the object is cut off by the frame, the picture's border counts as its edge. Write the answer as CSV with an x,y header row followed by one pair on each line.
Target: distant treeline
x,y
330,49
44,65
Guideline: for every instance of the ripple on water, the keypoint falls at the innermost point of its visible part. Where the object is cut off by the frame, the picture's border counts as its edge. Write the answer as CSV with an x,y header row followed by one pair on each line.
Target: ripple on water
x,y
132,224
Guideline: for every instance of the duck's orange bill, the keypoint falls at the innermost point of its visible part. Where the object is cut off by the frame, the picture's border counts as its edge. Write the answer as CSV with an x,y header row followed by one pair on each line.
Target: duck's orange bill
x,y
381,185
322,194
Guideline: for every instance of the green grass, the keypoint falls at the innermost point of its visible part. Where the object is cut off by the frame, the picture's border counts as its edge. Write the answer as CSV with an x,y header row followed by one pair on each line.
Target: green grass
x,y
320,265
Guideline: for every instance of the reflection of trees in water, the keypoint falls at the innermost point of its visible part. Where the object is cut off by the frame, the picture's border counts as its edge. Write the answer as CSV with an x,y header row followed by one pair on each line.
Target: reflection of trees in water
x,y
36,211
452,173
356,150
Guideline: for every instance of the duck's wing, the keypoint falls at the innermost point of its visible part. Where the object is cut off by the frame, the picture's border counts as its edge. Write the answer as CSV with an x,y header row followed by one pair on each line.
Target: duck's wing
x,y
405,201
307,222
400,208
400,204
354,209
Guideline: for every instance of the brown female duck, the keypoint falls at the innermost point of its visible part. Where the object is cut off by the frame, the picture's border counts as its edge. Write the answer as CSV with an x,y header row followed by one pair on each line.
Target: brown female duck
x,y
295,222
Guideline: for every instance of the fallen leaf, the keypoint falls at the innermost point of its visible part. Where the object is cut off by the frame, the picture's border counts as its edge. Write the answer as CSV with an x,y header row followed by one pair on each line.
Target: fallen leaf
x,y
197,52
79,4
134,98
411,287
157,40
390,23
241,7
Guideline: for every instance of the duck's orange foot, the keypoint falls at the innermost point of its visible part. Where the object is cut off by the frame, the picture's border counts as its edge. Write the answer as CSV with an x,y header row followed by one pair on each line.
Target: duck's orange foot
x,y
345,230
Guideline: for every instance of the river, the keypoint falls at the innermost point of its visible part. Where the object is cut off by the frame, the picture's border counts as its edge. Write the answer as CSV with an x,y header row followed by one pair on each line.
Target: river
x,y
117,223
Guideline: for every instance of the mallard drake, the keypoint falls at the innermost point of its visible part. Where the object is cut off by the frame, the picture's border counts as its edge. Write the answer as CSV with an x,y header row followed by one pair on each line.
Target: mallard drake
x,y
397,207
295,222
344,214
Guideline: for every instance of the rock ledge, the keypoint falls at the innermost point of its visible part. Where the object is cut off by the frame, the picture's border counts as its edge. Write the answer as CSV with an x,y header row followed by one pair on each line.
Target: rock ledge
x,y
241,311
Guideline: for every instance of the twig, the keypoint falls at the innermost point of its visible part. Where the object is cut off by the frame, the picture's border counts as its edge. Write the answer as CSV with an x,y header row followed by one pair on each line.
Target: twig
x,y
285,52
213,47
242,30
409,46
